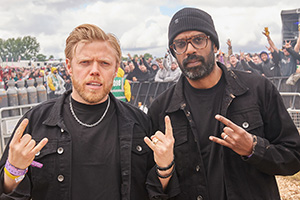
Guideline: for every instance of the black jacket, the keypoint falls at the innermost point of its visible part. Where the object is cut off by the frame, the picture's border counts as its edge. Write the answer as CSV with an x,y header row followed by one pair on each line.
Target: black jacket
x,y
269,68
45,120
295,54
252,102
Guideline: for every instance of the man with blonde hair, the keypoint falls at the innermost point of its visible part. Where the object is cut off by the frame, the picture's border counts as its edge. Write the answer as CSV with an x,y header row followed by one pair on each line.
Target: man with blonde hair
x,y
86,144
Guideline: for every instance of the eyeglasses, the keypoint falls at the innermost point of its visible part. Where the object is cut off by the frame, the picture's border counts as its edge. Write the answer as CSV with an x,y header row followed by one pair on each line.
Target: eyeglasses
x,y
197,41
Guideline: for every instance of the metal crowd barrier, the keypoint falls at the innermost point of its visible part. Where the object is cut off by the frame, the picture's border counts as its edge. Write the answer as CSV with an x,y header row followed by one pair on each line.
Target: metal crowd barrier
x,y
295,115
146,92
8,123
289,93
143,94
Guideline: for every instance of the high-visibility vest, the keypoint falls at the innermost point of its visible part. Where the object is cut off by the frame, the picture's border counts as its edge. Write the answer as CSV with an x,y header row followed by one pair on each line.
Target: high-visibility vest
x,y
118,88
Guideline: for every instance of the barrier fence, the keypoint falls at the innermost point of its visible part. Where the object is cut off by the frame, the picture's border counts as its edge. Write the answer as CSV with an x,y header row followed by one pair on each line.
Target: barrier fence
x,y
143,94
9,116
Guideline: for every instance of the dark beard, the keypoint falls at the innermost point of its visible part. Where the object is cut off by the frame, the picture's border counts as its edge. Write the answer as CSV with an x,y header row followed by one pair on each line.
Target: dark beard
x,y
198,72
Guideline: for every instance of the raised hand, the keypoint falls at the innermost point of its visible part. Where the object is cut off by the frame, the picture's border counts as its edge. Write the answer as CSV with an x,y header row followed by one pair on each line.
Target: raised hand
x,y
162,145
234,137
22,148
228,42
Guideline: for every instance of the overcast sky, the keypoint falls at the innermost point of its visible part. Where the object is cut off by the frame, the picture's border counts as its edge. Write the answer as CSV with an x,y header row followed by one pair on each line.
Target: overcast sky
x,y
141,25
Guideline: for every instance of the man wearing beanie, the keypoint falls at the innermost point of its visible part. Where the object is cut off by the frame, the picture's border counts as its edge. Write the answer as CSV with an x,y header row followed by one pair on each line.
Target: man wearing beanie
x,y
267,67
230,132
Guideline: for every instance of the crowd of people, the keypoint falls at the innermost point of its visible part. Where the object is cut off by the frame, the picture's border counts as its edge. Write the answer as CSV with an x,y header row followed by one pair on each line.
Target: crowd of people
x,y
275,62
271,63
56,78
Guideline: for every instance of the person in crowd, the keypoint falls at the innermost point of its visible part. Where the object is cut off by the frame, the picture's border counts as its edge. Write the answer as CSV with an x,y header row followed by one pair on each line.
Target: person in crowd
x,y
293,78
267,67
121,87
140,72
162,72
286,62
174,72
220,57
293,52
149,61
230,132
55,84
126,69
153,70
256,59
86,144
236,63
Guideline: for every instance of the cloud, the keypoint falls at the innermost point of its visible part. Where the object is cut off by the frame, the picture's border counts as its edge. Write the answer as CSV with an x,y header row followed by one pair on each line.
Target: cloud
x,y
141,26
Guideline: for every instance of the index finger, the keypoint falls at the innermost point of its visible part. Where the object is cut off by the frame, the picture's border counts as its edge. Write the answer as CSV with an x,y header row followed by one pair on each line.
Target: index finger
x,y
168,127
227,122
40,145
20,130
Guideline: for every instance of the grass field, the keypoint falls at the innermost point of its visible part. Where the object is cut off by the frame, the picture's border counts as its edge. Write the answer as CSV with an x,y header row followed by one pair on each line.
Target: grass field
x,y
289,187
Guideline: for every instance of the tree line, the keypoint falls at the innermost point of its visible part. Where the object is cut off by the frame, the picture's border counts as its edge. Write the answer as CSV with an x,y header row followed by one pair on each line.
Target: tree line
x,y
21,48
27,48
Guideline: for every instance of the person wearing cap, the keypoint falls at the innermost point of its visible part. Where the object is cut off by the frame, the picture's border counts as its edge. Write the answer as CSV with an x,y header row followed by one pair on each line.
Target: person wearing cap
x,y
55,84
267,67
231,129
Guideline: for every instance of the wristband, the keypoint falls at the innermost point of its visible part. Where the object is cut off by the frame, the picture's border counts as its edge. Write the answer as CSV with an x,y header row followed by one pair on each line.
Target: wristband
x,y
254,144
14,170
167,176
165,168
16,178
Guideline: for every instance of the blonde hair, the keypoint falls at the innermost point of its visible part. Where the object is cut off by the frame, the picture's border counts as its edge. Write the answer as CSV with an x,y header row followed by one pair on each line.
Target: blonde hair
x,y
90,33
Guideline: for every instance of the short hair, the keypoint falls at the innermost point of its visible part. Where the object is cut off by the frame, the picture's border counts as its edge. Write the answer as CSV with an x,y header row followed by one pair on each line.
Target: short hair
x,y
89,33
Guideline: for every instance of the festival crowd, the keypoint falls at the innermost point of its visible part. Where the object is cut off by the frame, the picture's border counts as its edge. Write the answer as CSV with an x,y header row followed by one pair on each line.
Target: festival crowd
x,y
271,63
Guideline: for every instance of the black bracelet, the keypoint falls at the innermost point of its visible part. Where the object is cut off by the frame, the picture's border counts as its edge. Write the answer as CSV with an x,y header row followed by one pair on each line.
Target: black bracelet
x,y
165,168
167,176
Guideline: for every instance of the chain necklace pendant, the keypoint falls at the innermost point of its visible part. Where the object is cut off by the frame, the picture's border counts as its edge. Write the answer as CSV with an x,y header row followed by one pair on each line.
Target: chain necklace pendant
x,y
89,125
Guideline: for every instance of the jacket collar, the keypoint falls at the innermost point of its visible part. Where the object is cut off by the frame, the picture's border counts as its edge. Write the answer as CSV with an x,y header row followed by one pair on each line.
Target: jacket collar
x,y
234,87
55,116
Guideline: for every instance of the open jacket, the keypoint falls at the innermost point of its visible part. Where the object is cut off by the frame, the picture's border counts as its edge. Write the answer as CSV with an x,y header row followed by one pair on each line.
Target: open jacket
x,y
252,102
45,120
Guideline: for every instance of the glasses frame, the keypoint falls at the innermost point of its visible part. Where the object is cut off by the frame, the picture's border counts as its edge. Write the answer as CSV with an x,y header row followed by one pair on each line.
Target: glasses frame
x,y
189,40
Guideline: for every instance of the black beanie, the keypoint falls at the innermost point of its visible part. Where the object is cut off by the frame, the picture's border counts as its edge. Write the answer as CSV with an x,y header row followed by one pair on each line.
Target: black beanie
x,y
192,19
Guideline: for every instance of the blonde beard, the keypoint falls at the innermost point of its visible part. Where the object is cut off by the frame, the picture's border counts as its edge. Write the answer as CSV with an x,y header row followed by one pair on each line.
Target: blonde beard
x,y
91,96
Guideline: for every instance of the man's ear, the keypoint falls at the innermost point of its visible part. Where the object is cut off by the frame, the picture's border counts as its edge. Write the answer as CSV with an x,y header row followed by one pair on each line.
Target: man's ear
x,y
68,64
215,49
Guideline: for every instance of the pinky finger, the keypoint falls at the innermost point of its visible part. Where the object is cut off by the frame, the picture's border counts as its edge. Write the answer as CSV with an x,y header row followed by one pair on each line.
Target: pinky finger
x,y
219,141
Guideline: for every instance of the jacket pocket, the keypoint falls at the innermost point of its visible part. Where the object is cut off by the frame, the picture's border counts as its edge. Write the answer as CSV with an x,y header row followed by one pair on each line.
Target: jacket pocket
x,y
180,135
47,157
249,119
141,160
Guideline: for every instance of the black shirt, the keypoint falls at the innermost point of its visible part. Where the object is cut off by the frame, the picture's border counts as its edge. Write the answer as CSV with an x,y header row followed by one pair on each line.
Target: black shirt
x,y
204,104
95,169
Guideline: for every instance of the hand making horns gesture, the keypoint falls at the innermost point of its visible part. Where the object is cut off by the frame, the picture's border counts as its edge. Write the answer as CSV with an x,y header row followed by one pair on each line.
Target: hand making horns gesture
x,y
162,145
234,137
22,148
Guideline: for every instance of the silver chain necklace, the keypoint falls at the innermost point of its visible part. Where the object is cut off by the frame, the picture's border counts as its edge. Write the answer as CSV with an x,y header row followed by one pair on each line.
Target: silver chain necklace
x,y
89,125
